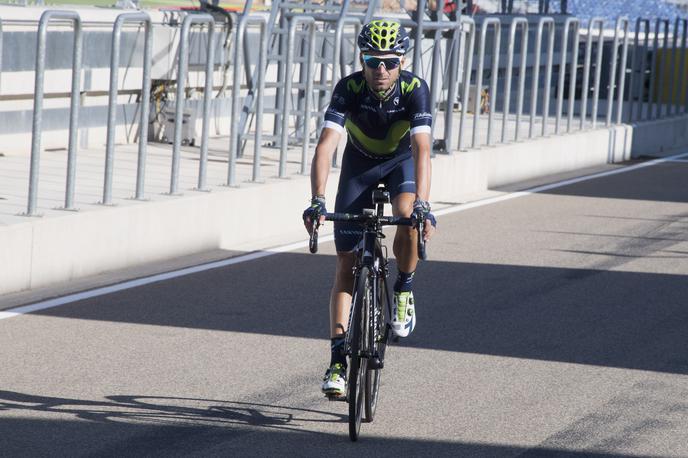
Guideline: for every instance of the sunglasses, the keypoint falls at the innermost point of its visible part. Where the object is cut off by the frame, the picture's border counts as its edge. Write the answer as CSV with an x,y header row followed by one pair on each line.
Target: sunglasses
x,y
373,62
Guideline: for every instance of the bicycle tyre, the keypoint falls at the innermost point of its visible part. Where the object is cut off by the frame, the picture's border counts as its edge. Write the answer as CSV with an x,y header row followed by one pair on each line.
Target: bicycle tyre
x,y
373,376
357,364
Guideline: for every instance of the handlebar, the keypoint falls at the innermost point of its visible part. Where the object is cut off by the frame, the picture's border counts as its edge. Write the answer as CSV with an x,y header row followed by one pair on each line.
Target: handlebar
x,y
384,221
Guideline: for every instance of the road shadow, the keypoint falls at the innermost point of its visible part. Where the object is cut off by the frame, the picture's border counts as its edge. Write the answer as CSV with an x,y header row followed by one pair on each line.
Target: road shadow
x,y
599,316
663,182
32,425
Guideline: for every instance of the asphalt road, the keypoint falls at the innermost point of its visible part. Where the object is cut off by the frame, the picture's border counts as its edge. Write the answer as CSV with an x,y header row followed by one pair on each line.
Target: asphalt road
x,y
552,325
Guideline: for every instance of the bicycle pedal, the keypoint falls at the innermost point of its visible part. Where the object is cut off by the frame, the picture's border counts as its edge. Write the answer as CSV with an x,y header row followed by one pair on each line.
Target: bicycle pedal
x,y
335,397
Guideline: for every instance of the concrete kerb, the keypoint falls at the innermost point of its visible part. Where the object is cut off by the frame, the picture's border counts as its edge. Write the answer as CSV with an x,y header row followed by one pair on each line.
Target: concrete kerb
x,y
47,251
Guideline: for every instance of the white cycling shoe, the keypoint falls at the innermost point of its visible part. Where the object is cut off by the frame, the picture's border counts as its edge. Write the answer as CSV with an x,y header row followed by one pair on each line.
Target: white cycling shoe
x,y
334,382
403,314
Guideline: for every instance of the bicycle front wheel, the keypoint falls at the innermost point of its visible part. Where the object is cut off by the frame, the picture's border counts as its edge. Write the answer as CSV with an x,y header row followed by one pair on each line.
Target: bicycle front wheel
x,y
358,365
381,334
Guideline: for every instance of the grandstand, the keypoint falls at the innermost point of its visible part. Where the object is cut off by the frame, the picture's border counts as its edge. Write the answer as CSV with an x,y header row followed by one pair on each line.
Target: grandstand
x,y
611,9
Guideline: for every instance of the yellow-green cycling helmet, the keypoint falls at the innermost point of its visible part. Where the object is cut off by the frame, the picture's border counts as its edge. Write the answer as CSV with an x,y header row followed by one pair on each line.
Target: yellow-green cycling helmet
x,y
382,35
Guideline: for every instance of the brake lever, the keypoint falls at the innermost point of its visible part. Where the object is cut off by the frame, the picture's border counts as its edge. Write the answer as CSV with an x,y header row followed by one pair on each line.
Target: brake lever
x,y
313,241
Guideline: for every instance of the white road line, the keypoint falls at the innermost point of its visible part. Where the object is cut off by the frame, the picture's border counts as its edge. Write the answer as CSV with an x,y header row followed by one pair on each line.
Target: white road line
x,y
679,160
50,303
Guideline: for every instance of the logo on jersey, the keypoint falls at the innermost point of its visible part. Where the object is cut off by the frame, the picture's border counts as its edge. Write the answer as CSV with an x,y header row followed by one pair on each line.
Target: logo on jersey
x,y
355,87
409,87
396,100
423,115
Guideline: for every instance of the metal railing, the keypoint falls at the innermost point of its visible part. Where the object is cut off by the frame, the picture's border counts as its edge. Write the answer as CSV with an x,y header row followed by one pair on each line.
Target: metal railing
x,y
536,81
45,20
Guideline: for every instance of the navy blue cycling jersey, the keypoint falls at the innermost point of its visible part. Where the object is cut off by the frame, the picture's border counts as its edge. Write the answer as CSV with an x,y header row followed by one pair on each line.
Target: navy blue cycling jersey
x,y
379,143
380,129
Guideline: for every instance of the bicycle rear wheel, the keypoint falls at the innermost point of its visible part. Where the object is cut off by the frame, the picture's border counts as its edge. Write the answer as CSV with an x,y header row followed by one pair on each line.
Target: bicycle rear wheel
x,y
358,365
373,374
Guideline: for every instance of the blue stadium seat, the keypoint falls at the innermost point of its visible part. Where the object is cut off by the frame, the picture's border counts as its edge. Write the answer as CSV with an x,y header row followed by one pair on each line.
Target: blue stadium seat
x,y
611,9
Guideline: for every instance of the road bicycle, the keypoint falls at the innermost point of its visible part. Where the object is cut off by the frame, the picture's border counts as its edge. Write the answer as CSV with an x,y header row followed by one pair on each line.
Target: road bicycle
x,y
370,314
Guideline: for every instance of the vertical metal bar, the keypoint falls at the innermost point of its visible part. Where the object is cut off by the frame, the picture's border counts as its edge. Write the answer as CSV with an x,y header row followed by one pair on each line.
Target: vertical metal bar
x,y
112,109
536,70
279,93
562,70
139,17
181,84
598,75
666,57
307,100
74,115
145,110
418,40
37,123
468,69
452,87
295,21
612,70
674,64
494,75
1,32
586,68
521,78
435,74
573,77
509,71
548,76
234,128
479,77
262,62
641,72
207,96
622,73
337,60
657,68
634,65
681,66
682,71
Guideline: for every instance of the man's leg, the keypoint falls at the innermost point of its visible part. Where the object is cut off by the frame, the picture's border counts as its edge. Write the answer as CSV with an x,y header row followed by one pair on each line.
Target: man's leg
x,y
340,297
334,383
405,240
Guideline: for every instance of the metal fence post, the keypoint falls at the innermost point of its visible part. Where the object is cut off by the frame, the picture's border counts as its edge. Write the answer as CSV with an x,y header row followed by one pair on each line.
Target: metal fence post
x,y
676,86
521,80
337,59
0,55
418,38
655,95
536,69
181,85
467,71
145,111
139,17
37,127
310,68
684,57
295,21
635,62
494,75
599,22
548,77
453,79
523,22
479,77
562,66
622,73
623,20
260,91
207,96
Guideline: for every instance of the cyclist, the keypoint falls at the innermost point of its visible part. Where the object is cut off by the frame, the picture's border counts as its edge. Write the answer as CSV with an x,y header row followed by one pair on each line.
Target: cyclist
x,y
386,113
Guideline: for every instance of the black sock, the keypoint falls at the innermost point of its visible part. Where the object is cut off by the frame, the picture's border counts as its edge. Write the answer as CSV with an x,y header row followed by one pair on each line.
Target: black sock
x,y
337,347
404,282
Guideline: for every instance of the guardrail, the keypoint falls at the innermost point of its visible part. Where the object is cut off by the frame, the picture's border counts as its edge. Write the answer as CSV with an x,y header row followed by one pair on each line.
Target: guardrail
x,y
535,81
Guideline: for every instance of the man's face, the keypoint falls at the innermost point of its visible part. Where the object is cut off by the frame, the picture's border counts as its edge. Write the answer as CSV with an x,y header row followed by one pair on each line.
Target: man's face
x,y
377,75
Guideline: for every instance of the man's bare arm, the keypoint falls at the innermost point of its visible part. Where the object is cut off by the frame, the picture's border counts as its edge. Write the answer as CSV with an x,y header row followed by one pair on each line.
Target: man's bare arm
x,y
320,168
421,146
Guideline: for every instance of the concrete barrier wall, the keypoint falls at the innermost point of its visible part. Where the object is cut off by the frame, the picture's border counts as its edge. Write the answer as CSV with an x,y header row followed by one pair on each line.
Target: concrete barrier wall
x,y
46,251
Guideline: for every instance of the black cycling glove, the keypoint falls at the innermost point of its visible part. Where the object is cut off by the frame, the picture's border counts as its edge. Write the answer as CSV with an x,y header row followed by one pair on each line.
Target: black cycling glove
x,y
316,209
